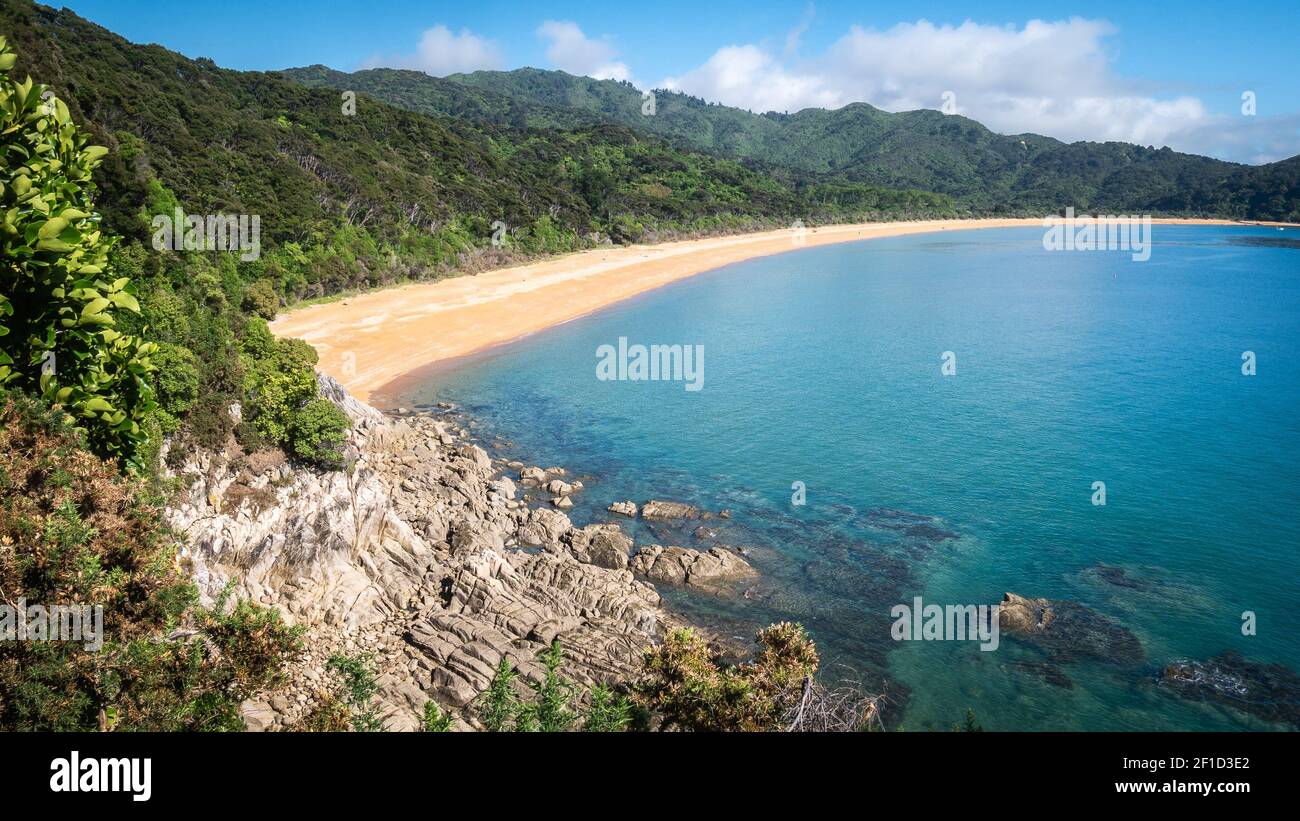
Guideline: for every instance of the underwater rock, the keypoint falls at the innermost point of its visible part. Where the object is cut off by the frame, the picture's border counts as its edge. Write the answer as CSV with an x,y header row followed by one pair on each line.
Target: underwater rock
x,y
1118,577
657,509
912,525
1068,630
1267,691
1047,671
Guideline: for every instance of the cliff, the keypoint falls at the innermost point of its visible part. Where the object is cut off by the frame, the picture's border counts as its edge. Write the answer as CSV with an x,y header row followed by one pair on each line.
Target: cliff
x,y
419,553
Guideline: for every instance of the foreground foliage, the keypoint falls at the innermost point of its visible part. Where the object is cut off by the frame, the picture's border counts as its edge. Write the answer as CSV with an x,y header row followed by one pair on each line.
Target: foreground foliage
x,y
349,705
553,707
686,684
58,302
74,531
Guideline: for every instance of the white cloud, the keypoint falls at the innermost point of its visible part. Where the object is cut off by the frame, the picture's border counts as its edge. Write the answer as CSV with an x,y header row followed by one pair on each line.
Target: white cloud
x,y
572,51
749,77
441,52
1252,140
1051,78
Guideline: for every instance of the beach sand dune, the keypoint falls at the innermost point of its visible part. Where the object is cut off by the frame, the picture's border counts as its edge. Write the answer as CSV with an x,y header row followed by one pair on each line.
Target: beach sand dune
x,y
370,340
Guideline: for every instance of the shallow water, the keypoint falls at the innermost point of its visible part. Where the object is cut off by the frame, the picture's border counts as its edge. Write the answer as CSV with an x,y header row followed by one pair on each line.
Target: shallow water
x,y
822,366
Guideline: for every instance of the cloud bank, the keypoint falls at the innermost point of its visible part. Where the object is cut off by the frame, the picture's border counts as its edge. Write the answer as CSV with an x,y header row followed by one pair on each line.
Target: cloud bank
x,y
1048,77
568,49
441,52
1052,78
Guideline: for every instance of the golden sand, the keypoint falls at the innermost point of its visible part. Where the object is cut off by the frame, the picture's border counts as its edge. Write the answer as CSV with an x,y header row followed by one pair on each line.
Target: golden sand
x,y
367,341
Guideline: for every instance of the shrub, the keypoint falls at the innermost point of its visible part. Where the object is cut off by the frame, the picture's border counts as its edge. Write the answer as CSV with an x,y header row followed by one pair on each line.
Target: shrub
x,y
684,682
58,302
499,703
553,706
549,712
176,383
279,380
609,712
73,531
318,432
261,300
359,689
349,705
434,721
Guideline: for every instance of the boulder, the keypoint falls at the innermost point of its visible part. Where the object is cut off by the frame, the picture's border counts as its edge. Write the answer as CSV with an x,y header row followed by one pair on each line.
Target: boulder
x,y
1068,630
604,545
713,569
658,509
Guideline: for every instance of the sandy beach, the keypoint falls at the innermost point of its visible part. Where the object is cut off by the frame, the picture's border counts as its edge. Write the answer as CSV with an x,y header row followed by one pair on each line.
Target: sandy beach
x,y
370,340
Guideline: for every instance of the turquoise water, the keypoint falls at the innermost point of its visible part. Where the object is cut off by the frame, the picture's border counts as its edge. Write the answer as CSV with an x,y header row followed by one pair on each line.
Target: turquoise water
x,y
823,366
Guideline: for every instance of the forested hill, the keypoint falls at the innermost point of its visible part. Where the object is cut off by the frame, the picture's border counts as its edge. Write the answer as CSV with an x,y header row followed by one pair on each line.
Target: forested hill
x,y
215,140
858,143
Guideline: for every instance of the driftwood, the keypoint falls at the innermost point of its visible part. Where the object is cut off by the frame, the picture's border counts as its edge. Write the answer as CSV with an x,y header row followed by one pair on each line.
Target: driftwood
x,y
842,709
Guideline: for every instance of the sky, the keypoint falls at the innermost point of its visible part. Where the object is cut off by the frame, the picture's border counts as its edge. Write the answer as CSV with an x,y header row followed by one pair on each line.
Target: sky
x,y
1221,79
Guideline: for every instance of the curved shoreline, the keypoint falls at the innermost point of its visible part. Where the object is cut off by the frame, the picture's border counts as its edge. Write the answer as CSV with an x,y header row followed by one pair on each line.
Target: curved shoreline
x,y
369,341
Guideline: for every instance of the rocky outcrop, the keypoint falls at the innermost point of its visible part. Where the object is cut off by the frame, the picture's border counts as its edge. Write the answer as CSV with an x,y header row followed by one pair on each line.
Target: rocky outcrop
x,y
623,509
661,510
1270,692
418,555
714,569
1067,629
604,545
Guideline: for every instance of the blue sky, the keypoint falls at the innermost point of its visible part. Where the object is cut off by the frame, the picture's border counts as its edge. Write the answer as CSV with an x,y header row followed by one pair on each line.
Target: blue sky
x,y
1145,72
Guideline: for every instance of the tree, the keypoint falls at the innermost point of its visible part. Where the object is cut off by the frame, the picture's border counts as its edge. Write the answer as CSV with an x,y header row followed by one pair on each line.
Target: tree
x,y
58,300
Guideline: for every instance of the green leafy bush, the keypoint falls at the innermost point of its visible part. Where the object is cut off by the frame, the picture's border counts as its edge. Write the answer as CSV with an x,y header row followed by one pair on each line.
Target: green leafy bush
x,y
609,712
549,711
434,720
350,705
554,705
279,379
58,300
318,432
261,300
499,703
175,382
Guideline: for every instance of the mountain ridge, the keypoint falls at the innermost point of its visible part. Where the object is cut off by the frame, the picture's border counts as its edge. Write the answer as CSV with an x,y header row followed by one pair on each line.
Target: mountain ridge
x,y
858,143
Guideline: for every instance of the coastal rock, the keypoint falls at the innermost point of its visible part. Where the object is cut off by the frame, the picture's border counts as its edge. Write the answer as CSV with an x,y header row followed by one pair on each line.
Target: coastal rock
x,y
913,525
657,509
544,527
404,559
559,487
628,509
604,545
1068,629
711,569
1270,692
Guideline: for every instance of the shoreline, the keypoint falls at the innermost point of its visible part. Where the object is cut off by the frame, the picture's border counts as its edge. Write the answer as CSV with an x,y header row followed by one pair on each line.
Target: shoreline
x,y
370,341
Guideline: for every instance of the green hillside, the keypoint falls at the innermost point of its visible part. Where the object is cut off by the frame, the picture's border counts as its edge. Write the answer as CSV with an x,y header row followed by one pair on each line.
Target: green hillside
x,y
924,149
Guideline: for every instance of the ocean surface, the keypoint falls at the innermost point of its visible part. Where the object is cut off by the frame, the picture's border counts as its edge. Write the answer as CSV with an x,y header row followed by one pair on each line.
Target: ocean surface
x,y
824,366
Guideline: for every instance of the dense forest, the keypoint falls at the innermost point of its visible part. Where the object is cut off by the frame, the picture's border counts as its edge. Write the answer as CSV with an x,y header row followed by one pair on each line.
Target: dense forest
x,y
988,172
